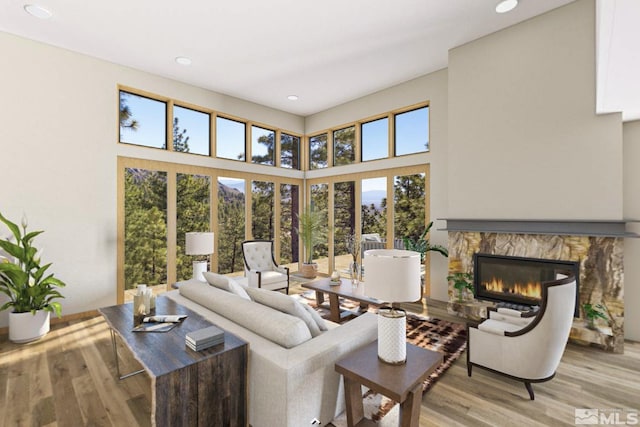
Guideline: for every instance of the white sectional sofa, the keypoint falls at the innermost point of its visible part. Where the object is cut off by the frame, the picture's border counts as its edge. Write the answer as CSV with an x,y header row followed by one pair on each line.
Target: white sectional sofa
x,y
292,380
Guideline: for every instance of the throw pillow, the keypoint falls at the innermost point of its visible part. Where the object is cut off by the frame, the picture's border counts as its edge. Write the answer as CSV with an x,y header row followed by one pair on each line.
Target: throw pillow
x,y
286,304
226,284
316,318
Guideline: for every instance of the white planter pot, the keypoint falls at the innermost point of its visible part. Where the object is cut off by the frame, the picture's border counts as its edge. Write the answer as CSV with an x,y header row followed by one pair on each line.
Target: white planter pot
x,y
26,327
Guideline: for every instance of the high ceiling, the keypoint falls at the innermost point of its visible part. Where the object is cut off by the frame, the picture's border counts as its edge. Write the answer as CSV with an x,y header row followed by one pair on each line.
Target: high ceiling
x,y
326,53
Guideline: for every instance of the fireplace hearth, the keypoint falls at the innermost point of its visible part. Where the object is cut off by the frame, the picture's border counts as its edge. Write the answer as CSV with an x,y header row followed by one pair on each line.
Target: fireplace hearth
x,y
516,282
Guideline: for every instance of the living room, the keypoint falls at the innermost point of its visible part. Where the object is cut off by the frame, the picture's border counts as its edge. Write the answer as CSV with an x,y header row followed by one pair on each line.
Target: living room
x,y
513,135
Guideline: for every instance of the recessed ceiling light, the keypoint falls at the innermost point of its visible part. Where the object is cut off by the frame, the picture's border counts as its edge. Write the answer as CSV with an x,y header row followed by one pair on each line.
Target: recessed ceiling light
x,y
292,97
506,6
37,11
183,60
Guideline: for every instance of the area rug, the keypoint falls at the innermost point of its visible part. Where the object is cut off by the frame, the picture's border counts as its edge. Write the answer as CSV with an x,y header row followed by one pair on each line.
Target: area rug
x,y
443,336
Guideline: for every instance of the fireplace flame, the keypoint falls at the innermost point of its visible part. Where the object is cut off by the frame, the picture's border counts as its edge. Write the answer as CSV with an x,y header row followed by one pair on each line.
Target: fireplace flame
x,y
528,290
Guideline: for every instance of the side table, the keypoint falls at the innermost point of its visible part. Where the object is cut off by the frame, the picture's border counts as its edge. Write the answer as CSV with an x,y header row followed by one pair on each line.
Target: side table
x,y
401,383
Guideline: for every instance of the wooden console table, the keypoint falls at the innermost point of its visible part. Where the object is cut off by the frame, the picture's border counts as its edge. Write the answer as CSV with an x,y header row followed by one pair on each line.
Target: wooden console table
x,y
188,388
402,383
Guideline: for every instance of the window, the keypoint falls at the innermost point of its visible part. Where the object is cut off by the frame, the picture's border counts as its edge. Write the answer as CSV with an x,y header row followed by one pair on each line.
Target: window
x,y
231,225
344,146
145,228
230,139
289,151
318,151
344,220
412,131
374,208
263,146
262,205
289,242
409,197
193,198
142,121
375,139
191,131
320,202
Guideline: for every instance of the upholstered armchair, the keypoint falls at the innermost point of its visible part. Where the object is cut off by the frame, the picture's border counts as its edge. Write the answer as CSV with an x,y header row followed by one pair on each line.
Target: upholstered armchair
x,y
261,268
524,348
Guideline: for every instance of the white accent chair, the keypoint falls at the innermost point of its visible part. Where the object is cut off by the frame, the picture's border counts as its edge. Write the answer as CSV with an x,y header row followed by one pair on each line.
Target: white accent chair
x,y
524,348
261,268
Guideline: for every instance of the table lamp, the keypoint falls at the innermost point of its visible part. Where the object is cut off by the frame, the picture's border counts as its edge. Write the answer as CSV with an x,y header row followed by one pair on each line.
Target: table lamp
x,y
392,275
199,244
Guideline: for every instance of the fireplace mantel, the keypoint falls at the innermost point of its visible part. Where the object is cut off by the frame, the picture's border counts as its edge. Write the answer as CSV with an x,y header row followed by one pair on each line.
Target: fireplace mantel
x,y
596,228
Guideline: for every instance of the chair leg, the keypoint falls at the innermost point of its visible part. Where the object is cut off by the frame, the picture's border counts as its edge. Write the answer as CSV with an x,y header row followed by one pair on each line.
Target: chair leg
x,y
529,389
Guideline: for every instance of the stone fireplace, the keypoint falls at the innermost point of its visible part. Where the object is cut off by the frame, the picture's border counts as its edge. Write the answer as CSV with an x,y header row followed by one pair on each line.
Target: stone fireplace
x,y
595,249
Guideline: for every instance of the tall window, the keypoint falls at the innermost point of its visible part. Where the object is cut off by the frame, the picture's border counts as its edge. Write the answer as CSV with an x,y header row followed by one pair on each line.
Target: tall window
x,y
374,209
193,215
344,146
409,197
230,138
412,131
231,225
344,220
289,151
318,151
320,202
145,228
263,146
191,131
375,139
142,120
289,242
262,205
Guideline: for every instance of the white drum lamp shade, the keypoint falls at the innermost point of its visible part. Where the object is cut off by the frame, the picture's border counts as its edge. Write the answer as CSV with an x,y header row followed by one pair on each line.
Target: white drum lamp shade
x,y
199,244
392,275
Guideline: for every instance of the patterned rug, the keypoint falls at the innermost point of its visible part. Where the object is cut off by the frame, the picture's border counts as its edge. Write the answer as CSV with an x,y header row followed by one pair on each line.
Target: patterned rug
x,y
448,338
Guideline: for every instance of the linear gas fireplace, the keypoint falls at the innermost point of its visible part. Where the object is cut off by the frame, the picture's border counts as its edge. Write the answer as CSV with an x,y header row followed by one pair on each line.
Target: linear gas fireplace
x,y
517,282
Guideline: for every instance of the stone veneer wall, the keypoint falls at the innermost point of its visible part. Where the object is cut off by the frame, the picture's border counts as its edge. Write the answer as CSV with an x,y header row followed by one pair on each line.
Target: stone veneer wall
x,y
601,273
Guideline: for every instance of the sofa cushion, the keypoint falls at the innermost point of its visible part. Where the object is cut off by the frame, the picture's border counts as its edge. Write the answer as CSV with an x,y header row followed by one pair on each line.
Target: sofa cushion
x,y
225,283
283,329
316,317
285,304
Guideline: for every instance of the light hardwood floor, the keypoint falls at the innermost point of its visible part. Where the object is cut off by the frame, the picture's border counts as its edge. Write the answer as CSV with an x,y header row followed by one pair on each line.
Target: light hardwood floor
x,y
68,379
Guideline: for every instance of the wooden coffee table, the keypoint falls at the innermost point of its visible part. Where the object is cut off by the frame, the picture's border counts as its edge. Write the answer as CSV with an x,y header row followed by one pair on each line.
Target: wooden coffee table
x,y
345,290
401,383
188,387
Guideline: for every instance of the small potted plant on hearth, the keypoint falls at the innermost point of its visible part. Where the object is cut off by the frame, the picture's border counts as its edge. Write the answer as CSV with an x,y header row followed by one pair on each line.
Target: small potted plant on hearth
x,y
312,226
593,312
461,282
22,278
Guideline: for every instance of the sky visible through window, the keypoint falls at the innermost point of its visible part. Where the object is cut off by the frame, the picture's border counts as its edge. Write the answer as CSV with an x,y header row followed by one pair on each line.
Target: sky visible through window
x,y
412,131
196,124
375,139
150,116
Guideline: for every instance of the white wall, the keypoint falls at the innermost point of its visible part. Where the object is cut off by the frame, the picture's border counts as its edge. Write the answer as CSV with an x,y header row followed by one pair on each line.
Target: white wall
x,y
432,88
524,140
58,156
631,132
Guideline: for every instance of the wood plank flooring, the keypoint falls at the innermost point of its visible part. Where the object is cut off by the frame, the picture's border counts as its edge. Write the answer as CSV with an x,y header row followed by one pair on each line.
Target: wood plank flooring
x,y
68,379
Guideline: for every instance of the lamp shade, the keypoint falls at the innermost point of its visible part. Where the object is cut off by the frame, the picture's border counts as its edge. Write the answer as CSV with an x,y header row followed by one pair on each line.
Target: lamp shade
x,y
199,243
392,275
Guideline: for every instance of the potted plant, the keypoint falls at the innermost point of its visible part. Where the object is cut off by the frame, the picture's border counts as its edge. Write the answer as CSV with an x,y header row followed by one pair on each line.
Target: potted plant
x,y
593,312
31,293
422,244
461,282
311,229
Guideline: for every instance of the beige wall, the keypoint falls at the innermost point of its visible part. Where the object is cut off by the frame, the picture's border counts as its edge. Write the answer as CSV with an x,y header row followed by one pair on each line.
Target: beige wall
x,y
58,152
524,140
631,132
432,88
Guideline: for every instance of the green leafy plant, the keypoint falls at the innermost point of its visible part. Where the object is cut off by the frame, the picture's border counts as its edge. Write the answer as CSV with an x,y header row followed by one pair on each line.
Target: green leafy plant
x,y
422,244
461,281
312,226
24,280
593,312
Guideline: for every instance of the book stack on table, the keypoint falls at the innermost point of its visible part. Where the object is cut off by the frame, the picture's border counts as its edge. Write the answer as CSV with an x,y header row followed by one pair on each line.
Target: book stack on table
x,y
204,338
